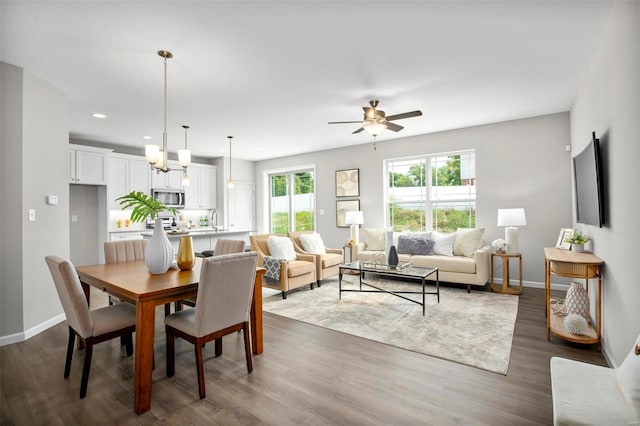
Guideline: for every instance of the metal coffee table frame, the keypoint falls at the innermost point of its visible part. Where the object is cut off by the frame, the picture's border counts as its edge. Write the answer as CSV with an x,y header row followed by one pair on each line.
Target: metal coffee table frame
x,y
411,272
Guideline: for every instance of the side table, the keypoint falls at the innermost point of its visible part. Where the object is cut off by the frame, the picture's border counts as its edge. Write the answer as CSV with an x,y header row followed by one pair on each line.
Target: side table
x,y
506,287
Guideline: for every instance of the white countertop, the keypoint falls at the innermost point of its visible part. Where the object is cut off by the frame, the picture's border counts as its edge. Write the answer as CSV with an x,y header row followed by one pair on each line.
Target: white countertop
x,y
197,232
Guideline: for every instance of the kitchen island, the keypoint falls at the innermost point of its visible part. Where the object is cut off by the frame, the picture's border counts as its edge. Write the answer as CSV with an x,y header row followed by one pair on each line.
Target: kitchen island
x,y
204,238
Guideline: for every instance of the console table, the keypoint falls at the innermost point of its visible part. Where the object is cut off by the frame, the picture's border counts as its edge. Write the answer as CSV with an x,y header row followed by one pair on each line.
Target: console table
x,y
566,263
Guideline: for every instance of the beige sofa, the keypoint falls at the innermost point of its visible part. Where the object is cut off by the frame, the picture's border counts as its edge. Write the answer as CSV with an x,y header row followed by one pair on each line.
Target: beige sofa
x,y
470,269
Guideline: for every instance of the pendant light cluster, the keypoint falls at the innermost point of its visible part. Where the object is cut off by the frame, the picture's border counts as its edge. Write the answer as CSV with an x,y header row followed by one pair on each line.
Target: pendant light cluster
x,y
158,158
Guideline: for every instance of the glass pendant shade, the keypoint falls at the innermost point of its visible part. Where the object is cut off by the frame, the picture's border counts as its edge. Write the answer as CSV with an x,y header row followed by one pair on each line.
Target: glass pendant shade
x,y
374,128
151,153
184,157
186,181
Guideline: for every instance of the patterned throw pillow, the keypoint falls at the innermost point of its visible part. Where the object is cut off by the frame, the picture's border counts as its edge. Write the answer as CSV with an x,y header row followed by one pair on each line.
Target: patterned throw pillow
x,y
312,243
415,245
281,247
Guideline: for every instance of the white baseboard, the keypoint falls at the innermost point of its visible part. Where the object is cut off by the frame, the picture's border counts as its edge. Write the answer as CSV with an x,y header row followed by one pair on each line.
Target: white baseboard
x,y
534,284
21,337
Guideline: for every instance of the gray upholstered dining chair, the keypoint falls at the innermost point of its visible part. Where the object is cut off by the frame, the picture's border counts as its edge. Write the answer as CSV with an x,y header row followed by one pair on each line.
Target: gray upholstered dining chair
x,y
225,291
91,327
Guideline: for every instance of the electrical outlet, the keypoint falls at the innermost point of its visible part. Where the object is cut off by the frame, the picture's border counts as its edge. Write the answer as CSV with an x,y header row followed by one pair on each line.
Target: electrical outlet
x,y
74,218
32,215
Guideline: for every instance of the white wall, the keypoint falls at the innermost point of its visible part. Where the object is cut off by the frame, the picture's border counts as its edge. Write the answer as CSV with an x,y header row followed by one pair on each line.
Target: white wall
x,y
520,163
38,165
608,102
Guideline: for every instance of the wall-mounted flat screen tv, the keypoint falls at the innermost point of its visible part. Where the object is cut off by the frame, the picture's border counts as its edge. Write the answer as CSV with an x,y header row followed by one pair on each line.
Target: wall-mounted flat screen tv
x,y
587,179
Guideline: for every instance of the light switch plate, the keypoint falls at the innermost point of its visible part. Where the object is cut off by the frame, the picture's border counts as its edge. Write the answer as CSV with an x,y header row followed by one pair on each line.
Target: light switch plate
x,y
52,199
32,215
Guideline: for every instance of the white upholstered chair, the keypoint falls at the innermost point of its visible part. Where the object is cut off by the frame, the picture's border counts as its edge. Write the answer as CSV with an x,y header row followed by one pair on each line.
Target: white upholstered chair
x,y
91,327
225,291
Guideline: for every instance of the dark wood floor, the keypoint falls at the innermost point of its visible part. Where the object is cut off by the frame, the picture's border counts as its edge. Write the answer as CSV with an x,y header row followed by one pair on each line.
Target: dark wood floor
x,y
307,375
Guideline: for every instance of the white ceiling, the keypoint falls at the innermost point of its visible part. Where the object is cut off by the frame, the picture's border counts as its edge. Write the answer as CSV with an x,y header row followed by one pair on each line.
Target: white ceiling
x,y
272,74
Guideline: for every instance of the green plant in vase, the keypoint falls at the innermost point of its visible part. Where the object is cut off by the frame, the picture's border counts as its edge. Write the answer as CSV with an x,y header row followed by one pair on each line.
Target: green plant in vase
x,y
159,253
577,240
143,206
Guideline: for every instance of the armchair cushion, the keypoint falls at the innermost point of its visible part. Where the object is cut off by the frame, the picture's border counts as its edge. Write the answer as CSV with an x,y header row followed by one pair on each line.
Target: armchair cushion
x,y
299,267
331,259
312,243
281,247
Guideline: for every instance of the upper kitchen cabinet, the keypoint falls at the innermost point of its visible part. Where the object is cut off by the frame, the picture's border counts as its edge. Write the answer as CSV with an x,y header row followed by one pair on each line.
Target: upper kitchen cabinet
x,y
171,179
127,173
201,192
88,165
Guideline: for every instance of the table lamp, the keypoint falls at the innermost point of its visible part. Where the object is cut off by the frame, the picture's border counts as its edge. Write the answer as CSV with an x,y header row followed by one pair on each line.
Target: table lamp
x,y
354,218
511,218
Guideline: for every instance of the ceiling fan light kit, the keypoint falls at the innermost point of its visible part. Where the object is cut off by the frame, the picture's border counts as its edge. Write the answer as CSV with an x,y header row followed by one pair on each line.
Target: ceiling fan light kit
x,y
376,121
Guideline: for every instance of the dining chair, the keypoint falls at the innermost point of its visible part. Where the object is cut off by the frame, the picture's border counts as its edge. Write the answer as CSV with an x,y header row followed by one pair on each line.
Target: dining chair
x,y
225,291
91,327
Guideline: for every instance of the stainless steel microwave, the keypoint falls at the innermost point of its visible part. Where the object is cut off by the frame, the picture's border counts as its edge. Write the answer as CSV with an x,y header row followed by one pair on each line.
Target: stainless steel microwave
x,y
169,197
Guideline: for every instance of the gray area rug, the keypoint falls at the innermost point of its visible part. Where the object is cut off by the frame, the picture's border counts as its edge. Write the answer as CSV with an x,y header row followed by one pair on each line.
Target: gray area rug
x,y
474,328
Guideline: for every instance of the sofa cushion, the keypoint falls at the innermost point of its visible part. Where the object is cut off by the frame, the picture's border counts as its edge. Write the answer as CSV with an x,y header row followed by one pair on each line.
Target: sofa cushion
x,y
331,259
312,243
299,267
461,264
443,243
375,238
415,245
467,241
281,247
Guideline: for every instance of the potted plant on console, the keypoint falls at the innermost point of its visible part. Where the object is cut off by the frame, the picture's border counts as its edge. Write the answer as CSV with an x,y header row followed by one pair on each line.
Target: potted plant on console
x,y
159,253
577,240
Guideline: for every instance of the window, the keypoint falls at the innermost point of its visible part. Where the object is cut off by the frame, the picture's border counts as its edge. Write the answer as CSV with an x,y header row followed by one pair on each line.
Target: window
x,y
292,201
444,202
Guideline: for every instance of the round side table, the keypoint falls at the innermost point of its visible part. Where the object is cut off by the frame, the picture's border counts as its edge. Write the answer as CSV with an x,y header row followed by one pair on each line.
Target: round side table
x,y
506,287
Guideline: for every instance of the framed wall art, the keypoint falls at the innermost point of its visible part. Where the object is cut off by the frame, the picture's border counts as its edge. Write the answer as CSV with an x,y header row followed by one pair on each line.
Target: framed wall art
x,y
342,207
348,183
564,234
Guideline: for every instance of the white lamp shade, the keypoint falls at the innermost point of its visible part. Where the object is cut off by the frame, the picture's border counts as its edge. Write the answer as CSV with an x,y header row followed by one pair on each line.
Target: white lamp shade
x,y
184,157
151,153
511,217
353,217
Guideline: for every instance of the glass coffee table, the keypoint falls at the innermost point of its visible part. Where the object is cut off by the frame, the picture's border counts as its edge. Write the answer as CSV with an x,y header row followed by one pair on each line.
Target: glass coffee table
x,y
403,270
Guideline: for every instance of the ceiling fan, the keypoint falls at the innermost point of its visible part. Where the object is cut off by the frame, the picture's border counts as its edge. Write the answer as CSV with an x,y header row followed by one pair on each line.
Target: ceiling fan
x,y
375,121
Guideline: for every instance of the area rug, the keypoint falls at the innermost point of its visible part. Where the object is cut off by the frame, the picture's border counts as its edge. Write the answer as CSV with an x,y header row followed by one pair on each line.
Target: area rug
x,y
474,328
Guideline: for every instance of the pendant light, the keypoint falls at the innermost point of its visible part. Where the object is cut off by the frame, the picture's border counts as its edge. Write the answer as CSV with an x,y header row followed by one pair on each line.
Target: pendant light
x,y
154,156
184,158
230,181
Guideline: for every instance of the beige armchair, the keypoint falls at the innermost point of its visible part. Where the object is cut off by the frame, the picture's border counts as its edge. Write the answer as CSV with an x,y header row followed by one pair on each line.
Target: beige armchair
x,y
327,264
293,273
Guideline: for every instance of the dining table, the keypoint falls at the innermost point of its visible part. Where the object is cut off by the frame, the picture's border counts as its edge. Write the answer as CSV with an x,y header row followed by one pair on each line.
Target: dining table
x,y
132,281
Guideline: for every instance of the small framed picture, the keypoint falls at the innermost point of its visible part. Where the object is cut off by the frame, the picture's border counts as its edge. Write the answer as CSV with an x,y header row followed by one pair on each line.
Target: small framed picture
x,y
348,183
342,207
564,234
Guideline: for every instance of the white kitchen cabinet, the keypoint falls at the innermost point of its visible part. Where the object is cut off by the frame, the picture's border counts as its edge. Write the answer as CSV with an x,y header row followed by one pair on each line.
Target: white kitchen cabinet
x,y
119,236
201,192
88,165
172,179
127,173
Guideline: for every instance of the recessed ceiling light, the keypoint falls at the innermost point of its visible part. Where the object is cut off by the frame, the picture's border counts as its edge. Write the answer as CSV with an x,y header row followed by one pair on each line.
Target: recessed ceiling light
x,y
98,115
147,137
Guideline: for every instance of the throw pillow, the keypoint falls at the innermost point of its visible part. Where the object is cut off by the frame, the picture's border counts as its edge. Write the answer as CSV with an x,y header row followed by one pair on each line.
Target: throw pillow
x,y
467,241
443,243
415,245
375,238
312,243
281,247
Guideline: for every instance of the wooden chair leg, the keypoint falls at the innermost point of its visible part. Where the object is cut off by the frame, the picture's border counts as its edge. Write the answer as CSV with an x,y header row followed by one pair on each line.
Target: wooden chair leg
x,y
167,309
247,347
128,343
171,352
200,368
70,344
88,352
218,347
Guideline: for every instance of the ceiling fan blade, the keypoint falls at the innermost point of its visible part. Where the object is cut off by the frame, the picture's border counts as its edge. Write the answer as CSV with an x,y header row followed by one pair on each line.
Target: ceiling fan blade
x,y
394,127
344,122
404,115
358,131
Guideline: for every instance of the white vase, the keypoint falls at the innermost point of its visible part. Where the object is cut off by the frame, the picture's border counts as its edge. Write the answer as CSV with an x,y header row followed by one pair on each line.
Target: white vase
x,y
159,253
577,248
577,300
